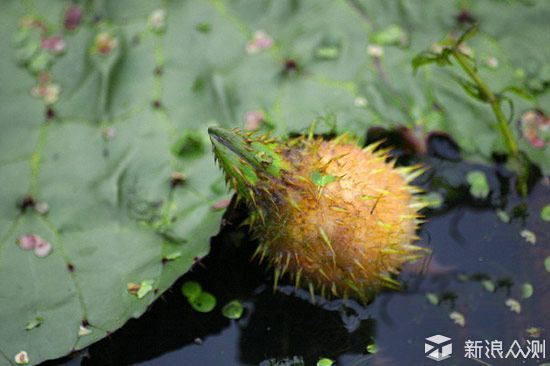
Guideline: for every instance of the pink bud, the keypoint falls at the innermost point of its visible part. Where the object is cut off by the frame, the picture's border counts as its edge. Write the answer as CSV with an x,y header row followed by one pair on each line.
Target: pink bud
x,y
533,125
221,204
260,41
54,44
42,248
73,16
253,120
28,241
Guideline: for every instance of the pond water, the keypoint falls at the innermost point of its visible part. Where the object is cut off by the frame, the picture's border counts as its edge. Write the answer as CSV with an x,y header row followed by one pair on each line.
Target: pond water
x,y
478,262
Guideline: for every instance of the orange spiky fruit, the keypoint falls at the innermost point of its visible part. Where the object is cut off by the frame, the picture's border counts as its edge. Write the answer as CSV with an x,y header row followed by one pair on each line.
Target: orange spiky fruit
x,y
339,219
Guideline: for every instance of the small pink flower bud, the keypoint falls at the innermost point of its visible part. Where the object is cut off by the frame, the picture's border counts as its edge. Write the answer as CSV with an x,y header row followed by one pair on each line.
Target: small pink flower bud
x,y
73,16
28,241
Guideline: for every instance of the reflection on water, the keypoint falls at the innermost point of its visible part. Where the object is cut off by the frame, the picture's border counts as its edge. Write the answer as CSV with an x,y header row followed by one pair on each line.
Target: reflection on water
x,y
478,263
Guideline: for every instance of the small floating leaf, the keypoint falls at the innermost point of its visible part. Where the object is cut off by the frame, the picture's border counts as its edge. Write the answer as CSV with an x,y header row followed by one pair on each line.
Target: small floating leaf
x,y
458,318
432,199
479,186
527,290
503,216
233,310
204,302
529,236
463,278
36,322
372,348
514,305
545,213
488,285
325,362
533,332
547,263
191,290
432,298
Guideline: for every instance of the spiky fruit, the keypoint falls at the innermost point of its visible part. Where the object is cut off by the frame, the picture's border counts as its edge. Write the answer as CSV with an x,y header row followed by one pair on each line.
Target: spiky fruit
x,y
339,219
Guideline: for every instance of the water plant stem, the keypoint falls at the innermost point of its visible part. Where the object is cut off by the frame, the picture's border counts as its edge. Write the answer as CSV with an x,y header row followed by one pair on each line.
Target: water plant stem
x,y
492,99
502,122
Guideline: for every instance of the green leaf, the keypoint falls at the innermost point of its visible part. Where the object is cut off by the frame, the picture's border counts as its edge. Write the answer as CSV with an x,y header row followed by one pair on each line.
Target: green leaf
x,y
547,264
488,285
432,298
205,302
191,290
372,348
113,217
428,57
545,213
527,290
520,92
503,216
470,88
468,34
433,199
479,186
233,310
325,362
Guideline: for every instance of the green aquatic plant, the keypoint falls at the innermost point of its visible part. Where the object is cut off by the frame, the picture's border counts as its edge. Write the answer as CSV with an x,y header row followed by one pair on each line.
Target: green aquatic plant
x,y
452,50
200,300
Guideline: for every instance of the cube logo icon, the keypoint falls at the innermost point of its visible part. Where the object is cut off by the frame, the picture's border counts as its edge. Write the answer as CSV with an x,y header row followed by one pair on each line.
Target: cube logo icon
x,y
438,347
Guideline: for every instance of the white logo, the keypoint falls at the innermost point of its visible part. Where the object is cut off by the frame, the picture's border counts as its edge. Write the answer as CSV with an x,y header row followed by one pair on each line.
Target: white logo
x,y
438,347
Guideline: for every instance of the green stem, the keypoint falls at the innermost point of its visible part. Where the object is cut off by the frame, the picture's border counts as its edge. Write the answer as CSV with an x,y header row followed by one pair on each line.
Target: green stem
x,y
503,126
492,100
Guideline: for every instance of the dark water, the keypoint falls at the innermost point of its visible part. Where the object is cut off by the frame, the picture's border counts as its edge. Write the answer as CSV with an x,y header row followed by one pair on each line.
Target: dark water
x,y
469,243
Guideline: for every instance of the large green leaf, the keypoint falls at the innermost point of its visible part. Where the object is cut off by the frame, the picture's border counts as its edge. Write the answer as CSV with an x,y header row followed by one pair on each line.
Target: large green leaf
x,y
125,123
113,217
